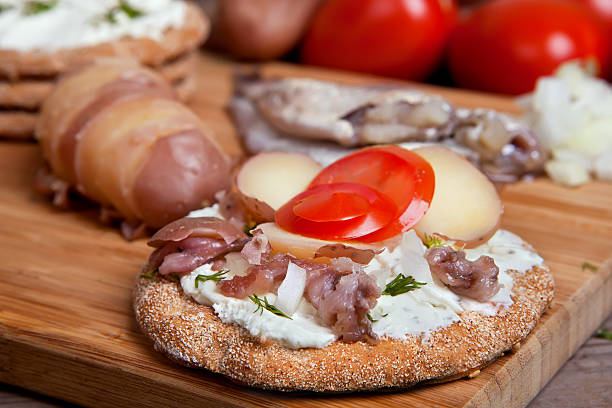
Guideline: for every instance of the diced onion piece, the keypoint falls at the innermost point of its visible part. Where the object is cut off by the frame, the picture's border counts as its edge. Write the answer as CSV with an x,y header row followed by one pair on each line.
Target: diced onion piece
x,y
413,260
603,166
291,289
569,173
236,264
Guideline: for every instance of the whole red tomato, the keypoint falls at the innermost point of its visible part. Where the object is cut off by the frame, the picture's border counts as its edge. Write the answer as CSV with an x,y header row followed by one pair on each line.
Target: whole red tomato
x,y
399,38
603,8
505,45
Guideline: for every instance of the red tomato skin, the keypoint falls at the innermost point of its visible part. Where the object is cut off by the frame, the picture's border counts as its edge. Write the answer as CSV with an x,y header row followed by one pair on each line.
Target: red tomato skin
x,y
398,38
403,176
505,45
602,8
381,212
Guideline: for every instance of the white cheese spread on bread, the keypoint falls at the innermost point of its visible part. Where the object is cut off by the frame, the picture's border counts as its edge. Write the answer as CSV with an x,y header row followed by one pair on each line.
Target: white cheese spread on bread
x,y
420,311
82,23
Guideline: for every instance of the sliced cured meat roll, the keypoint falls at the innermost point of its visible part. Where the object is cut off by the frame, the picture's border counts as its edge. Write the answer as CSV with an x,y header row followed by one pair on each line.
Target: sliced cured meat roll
x,y
116,133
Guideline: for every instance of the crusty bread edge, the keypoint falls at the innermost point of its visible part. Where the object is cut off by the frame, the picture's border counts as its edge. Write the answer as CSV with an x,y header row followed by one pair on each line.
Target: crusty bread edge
x,y
191,334
174,43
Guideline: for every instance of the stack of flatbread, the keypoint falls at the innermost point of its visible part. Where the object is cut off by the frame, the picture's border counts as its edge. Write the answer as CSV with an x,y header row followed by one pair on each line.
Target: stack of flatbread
x,y
41,40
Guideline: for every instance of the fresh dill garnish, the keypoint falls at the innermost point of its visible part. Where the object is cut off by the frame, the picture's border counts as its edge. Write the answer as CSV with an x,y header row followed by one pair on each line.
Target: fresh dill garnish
x,y
248,228
217,276
589,266
401,284
370,318
432,241
173,278
604,334
125,8
263,304
149,275
36,7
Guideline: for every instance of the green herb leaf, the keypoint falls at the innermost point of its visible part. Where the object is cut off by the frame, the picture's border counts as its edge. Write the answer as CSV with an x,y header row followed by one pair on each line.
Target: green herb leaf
x,y
125,8
402,284
248,228
36,7
213,277
370,318
150,275
173,278
263,304
432,241
590,266
605,334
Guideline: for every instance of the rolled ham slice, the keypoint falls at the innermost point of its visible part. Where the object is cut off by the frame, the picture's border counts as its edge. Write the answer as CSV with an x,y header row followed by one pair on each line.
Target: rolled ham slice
x,y
116,133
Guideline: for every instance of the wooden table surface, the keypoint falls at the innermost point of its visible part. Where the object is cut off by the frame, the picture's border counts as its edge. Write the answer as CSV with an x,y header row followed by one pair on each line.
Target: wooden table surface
x,y
582,300
586,375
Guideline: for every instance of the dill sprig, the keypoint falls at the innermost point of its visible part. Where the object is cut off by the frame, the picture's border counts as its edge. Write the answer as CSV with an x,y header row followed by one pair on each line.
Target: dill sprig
x,y
217,276
150,275
36,7
370,318
263,304
589,266
432,241
248,228
604,334
125,8
402,284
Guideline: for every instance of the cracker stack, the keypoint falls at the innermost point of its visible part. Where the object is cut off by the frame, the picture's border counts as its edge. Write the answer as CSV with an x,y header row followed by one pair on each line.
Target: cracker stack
x,y
26,78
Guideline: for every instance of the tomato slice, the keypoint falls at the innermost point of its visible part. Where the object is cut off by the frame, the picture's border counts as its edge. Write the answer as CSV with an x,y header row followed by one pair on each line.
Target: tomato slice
x,y
332,206
399,174
319,213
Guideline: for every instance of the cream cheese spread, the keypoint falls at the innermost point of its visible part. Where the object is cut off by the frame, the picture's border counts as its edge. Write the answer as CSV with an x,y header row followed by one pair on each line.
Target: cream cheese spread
x,y
420,311
81,23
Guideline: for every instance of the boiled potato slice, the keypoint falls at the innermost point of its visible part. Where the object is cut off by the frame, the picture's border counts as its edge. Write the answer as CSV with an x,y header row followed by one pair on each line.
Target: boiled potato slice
x,y
300,246
465,206
268,180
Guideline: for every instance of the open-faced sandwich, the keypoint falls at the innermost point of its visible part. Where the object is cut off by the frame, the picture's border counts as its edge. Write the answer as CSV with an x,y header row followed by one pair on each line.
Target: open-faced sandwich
x,y
40,40
383,270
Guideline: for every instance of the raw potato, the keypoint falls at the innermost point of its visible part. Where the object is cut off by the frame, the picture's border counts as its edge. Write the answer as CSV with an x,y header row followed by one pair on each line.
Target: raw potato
x,y
258,29
465,205
298,245
268,180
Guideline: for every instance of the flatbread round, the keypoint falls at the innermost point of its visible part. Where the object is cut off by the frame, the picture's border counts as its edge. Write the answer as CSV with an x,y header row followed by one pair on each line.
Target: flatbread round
x,y
174,42
30,94
193,335
16,124
20,124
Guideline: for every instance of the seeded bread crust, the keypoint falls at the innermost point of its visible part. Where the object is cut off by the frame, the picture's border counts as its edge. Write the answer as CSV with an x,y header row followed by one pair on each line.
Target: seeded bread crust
x,y
174,43
30,94
191,334
18,124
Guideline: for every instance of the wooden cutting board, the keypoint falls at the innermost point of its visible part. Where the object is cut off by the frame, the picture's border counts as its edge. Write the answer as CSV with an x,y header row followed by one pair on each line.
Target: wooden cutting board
x,y
66,323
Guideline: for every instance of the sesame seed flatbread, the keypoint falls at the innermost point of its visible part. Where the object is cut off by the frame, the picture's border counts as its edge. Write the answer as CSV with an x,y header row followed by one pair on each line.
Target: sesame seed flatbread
x,y
15,65
191,334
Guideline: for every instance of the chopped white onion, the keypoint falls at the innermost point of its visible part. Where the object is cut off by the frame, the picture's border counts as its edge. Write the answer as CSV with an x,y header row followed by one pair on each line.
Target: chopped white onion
x,y
236,264
291,289
568,173
413,260
571,113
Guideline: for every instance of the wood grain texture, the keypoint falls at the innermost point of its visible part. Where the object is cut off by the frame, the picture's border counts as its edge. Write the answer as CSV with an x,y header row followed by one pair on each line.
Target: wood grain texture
x,y
67,330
